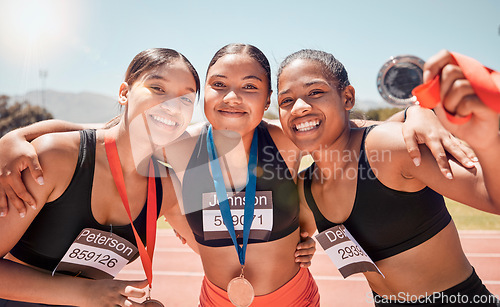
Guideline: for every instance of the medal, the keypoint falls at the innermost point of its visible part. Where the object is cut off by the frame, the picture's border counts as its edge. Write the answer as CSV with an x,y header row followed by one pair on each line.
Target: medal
x,y
151,213
149,302
152,303
239,289
398,77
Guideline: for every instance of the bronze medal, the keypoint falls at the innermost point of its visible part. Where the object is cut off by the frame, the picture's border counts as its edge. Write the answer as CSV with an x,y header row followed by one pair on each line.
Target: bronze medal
x,y
240,292
152,303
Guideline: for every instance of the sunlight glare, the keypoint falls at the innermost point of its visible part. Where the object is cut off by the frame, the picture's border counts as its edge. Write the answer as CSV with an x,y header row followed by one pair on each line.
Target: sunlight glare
x,y
34,24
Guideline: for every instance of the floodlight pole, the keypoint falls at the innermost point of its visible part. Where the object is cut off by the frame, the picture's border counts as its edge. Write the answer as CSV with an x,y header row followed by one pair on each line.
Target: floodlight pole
x,y
43,76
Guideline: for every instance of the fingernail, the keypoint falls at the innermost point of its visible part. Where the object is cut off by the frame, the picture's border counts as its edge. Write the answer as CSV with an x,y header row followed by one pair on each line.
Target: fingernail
x,y
40,180
22,214
33,206
416,161
2,214
426,75
449,175
469,164
475,159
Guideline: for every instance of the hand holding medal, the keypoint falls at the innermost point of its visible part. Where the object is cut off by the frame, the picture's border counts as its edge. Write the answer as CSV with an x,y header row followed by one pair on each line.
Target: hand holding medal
x,y
239,289
465,96
146,255
401,80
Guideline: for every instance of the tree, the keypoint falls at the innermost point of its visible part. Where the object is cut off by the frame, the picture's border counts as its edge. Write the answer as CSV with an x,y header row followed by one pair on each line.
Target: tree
x,y
19,114
381,114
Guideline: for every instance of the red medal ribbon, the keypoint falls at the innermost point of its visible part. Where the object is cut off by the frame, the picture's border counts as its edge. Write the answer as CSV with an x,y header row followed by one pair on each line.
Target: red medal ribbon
x,y
484,81
151,217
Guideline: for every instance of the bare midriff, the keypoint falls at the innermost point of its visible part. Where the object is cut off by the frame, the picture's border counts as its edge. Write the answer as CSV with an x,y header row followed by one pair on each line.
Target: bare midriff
x,y
433,266
268,265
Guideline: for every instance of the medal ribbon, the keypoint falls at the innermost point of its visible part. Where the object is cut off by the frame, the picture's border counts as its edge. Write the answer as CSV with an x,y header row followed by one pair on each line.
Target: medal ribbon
x,y
220,189
151,216
484,81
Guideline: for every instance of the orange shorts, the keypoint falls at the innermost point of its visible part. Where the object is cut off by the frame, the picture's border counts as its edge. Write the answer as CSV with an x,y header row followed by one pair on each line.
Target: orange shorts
x,y
300,291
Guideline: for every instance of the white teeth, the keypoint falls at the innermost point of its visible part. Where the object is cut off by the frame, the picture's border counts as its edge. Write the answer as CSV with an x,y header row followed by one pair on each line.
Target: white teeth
x,y
302,127
164,120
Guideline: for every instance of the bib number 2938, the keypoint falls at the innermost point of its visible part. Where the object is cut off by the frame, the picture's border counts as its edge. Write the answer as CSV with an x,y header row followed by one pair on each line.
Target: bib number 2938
x,y
347,255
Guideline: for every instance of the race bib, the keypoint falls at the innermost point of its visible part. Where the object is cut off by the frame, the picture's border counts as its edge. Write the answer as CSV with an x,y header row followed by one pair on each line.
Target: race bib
x,y
347,255
96,254
214,227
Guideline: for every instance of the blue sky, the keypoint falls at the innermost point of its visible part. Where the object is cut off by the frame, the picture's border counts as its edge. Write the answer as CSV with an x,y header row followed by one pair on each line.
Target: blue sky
x,y
86,45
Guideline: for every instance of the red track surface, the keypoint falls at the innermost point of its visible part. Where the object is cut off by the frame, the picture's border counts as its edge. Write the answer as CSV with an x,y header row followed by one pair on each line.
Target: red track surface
x,y
178,271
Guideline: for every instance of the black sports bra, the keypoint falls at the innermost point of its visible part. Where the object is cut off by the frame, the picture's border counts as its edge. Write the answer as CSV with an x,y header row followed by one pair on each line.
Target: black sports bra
x,y
384,221
274,177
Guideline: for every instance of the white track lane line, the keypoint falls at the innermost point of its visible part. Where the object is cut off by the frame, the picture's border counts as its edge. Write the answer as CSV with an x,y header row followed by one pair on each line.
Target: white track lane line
x,y
316,277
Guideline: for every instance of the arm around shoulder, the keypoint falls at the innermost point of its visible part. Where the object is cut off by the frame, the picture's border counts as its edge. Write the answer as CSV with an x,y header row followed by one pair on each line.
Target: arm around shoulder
x,y
37,129
16,155
59,170
58,155
171,210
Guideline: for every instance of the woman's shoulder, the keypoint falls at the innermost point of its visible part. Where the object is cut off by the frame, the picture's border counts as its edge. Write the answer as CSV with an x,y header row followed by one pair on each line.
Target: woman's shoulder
x,y
57,143
57,152
194,130
386,136
287,149
280,139
386,150
58,156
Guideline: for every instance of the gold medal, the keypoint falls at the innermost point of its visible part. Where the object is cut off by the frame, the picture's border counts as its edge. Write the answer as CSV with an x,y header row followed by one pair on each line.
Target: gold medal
x,y
240,291
152,303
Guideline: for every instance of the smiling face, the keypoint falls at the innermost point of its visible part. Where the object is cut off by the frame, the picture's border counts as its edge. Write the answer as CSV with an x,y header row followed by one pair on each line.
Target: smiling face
x,y
313,113
160,102
236,93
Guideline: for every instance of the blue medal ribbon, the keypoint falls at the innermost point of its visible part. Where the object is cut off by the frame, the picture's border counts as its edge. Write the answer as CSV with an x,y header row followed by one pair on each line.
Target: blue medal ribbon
x,y
220,188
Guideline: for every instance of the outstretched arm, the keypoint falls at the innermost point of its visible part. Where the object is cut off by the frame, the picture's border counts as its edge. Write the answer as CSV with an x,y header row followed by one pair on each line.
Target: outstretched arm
x,y
473,187
17,154
421,126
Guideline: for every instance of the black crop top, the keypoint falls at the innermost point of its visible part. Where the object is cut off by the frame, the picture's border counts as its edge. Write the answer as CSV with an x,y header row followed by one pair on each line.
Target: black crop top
x,y
59,222
274,176
385,222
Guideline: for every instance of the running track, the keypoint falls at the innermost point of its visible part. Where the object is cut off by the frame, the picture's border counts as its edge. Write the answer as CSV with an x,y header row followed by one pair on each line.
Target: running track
x,y
178,271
